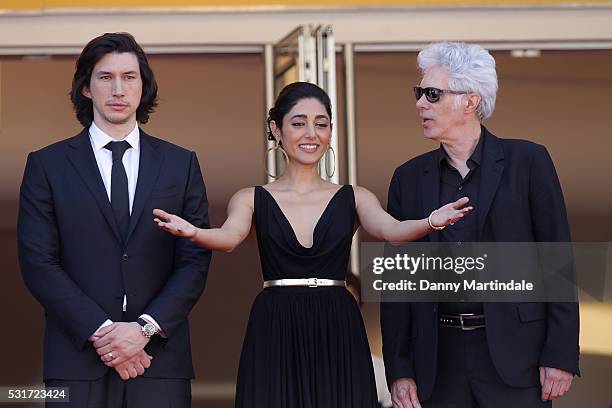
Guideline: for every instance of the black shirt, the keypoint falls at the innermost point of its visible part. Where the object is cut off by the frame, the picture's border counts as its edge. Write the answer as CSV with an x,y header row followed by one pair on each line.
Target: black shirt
x,y
452,188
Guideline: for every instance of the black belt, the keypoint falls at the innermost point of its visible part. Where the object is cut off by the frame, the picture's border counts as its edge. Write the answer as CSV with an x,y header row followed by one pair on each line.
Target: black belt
x,y
464,321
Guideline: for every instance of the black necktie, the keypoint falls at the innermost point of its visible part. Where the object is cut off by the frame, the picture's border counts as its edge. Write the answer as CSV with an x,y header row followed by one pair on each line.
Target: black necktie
x,y
120,197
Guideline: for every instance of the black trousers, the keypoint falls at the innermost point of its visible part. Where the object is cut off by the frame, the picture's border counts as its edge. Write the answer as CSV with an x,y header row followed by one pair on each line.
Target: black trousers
x,y
110,391
466,377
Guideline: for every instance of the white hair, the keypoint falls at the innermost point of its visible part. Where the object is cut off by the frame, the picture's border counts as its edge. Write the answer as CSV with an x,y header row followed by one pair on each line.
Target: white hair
x,y
471,68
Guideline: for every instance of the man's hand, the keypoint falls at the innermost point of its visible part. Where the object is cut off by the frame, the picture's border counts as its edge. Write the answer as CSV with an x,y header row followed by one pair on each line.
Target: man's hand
x,y
404,394
119,342
555,382
135,366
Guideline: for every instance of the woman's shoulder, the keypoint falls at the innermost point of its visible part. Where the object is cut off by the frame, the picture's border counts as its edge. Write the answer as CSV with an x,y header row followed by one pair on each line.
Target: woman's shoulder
x,y
244,196
363,195
245,191
359,190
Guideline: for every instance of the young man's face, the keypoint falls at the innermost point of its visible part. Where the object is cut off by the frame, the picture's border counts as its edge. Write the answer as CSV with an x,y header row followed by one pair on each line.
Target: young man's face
x,y
115,89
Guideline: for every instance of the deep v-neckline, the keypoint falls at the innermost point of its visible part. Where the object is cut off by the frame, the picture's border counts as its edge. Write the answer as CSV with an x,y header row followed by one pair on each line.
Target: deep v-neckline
x,y
291,225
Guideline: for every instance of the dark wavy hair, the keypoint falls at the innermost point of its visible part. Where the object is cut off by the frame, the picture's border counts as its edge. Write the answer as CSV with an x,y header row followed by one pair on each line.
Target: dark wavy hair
x,y
92,53
290,96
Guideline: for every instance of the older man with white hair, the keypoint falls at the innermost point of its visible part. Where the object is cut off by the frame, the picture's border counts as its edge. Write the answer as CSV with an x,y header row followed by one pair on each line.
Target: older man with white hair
x,y
503,354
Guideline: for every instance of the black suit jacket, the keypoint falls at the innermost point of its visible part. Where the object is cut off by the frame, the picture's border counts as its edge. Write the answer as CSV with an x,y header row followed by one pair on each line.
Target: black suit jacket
x,y
75,263
520,200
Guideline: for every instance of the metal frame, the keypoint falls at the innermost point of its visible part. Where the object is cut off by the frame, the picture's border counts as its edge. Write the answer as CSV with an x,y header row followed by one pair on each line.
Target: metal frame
x,y
311,50
351,142
326,79
295,9
495,46
269,102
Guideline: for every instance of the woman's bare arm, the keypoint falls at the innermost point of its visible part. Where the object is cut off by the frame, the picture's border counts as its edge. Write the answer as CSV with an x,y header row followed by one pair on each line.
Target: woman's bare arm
x,y
384,227
233,231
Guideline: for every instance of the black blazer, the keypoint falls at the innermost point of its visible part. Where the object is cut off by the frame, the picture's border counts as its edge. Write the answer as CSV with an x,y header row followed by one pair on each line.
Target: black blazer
x,y
520,200
75,264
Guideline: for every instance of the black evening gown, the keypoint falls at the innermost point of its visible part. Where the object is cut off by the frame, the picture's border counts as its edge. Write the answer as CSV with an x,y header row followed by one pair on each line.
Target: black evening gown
x,y
305,347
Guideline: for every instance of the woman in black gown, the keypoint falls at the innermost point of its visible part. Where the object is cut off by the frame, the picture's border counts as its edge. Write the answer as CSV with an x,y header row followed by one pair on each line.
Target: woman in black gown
x,y
305,345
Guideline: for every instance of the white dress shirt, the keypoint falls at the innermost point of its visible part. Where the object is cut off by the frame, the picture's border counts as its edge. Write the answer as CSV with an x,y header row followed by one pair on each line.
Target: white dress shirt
x,y
104,158
131,162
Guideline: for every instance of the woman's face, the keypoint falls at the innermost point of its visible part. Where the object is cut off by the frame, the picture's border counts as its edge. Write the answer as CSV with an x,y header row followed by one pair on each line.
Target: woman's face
x,y
306,131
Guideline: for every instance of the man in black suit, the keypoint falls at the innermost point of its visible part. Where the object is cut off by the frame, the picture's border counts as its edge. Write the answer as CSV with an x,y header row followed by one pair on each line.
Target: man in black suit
x,y
477,354
115,289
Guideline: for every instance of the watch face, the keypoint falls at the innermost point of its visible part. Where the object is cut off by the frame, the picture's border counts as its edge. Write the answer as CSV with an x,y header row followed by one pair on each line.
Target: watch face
x,y
149,329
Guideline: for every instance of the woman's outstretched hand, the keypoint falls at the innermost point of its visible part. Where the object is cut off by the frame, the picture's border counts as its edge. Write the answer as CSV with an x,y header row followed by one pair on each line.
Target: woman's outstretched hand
x,y
450,213
174,224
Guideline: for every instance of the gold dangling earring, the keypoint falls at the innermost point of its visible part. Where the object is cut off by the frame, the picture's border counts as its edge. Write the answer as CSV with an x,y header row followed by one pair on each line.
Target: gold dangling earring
x,y
273,149
329,176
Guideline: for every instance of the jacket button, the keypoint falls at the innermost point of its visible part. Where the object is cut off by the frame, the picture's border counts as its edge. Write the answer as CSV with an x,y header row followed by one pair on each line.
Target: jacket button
x,y
125,257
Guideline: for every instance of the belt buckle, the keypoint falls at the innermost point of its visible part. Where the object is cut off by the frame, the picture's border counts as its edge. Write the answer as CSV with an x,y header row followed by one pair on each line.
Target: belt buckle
x,y
312,282
463,327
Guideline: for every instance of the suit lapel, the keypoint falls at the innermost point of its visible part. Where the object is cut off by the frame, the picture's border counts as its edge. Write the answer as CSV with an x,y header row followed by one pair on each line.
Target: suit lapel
x,y
431,190
148,171
81,156
492,170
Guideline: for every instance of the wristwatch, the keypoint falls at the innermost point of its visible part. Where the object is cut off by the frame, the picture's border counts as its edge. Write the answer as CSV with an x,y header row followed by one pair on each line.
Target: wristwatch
x,y
147,329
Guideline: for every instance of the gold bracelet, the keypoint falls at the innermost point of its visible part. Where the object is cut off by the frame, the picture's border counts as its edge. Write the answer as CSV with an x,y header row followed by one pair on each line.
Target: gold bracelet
x,y
433,226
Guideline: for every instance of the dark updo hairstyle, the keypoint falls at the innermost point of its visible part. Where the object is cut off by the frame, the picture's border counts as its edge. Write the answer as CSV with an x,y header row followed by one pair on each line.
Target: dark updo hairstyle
x,y
93,52
290,96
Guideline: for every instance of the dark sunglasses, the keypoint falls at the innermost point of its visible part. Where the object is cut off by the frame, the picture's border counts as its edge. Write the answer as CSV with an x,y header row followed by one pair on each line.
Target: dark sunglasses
x,y
432,94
